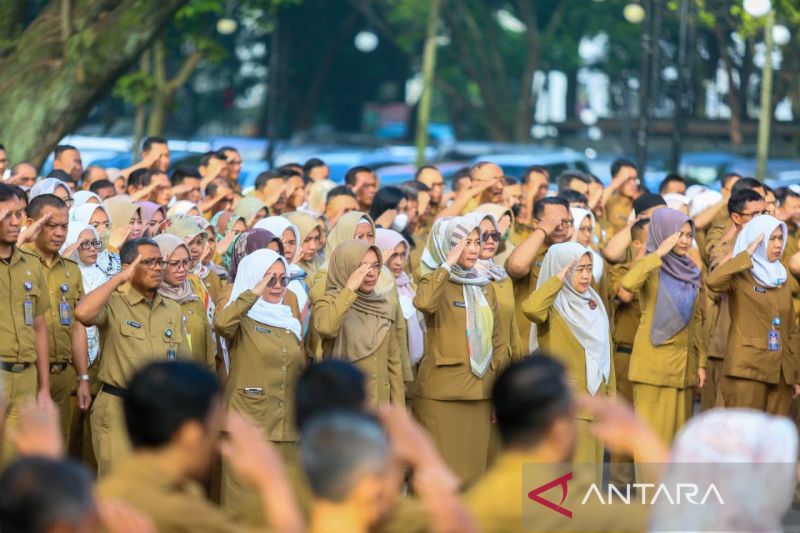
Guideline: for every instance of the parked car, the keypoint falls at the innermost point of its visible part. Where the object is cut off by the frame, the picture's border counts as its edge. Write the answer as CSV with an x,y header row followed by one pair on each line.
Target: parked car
x,y
555,161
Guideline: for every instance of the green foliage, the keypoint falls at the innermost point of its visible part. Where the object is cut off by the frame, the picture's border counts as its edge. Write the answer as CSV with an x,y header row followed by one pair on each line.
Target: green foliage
x,y
135,88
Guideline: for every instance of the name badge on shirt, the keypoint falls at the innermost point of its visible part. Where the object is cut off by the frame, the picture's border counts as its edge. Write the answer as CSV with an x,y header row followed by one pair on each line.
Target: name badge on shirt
x,y
64,309
133,324
263,330
27,311
462,305
762,290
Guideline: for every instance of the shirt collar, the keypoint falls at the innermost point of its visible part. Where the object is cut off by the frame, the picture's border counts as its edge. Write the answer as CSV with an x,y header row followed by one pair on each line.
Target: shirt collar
x,y
135,297
31,248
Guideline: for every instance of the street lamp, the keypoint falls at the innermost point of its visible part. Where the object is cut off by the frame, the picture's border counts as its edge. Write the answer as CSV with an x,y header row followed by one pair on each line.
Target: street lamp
x,y
758,9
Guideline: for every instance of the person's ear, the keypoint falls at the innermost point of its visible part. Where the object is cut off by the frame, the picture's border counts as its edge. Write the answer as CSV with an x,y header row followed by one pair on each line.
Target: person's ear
x,y
367,495
190,435
737,219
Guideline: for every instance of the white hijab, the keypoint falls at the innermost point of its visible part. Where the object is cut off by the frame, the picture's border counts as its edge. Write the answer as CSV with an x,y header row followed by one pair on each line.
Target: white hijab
x,y
182,207
93,277
277,225
768,273
251,270
83,197
48,186
590,326
578,214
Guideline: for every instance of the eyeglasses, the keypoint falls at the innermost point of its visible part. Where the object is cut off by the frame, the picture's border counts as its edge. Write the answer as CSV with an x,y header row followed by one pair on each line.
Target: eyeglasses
x,y
175,265
375,267
754,214
68,201
283,281
86,245
153,264
493,235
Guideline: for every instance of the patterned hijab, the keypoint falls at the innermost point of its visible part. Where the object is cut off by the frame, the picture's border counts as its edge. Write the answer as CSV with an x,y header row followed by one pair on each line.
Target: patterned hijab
x,y
488,267
248,242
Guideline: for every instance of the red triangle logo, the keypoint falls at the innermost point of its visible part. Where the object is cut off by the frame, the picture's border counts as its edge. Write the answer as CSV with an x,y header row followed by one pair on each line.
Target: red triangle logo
x,y
535,494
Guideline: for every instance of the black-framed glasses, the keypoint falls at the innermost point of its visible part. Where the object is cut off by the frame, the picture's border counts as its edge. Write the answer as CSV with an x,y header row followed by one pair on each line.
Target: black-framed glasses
x,y
153,264
754,214
283,281
175,265
493,235
87,245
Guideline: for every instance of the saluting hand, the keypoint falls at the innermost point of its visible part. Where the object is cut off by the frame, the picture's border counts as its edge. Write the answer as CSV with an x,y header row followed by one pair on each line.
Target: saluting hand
x,y
754,245
668,244
455,252
262,283
119,236
357,277
127,273
31,232
562,275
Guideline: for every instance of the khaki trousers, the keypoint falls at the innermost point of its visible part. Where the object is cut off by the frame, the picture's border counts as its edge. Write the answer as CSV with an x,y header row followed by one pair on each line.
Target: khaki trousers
x,y
711,393
772,398
62,385
109,433
18,388
666,409
621,469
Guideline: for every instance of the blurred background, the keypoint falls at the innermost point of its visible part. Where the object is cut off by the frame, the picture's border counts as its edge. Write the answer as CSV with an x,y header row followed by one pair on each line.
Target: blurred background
x,y
701,87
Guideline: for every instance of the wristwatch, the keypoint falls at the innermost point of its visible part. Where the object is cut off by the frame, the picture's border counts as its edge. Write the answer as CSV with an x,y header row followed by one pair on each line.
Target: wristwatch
x,y
83,377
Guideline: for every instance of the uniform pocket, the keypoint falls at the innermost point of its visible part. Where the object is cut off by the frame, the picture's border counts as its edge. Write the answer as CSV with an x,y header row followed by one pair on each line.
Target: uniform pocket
x,y
448,361
252,404
132,329
755,342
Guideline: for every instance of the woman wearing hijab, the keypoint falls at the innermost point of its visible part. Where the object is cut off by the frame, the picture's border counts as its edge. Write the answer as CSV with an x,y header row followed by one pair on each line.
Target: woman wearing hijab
x,y
175,285
584,224
290,237
491,238
760,369
228,226
184,207
97,216
665,363
153,215
395,249
85,197
52,186
206,259
191,231
251,209
749,457
452,399
265,341
572,325
311,232
126,221
356,322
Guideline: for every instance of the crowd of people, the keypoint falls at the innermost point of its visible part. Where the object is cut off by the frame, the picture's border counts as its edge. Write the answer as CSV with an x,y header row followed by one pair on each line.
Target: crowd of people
x,y
378,358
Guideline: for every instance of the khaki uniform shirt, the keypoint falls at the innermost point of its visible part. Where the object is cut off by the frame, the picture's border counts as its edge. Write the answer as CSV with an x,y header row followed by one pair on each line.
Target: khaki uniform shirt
x,y
133,333
507,315
198,331
62,274
626,316
617,211
674,363
444,371
18,337
266,362
752,308
174,505
523,287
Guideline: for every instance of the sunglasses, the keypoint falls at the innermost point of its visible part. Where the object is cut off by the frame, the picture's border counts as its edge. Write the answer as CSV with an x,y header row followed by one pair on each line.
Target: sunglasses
x,y
493,235
283,281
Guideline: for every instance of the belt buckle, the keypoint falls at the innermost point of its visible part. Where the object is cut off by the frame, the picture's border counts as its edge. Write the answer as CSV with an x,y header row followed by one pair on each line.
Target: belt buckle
x,y
17,367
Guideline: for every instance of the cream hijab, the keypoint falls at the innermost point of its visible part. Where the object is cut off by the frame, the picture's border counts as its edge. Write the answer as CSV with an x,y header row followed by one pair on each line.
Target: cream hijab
x,y
305,224
252,270
167,244
370,317
120,211
578,215
587,321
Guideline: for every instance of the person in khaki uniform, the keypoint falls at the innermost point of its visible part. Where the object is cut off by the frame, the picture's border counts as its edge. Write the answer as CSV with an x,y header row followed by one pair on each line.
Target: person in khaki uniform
x,y
67,338
553,225
23,324
572,324
357,324
177,286
618,197
761,367
463,349
264,337
137,325
665,364
174,417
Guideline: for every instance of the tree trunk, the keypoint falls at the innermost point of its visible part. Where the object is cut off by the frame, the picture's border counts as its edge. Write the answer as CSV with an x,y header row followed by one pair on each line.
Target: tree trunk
x,y
736,136
47,91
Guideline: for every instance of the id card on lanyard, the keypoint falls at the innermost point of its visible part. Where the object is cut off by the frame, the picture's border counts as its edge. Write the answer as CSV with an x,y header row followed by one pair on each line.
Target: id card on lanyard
x,y
27,305
64,309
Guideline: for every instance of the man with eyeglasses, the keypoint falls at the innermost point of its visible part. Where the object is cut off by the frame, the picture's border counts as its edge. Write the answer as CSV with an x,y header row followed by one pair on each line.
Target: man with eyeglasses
x,y
744,204
136,326
552,225
67,342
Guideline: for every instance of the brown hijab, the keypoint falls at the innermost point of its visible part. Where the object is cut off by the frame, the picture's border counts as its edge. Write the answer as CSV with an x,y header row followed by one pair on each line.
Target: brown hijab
x,y
371,315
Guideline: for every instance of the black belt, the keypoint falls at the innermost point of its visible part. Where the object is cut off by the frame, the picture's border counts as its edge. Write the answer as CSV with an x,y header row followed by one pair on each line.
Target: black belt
x,y
16,368
113,391
57,368
621,348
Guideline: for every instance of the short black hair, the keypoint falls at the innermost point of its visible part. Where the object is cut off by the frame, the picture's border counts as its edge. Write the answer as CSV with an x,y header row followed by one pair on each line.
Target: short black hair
x,y
411,192
21,194
746,183
38,203
525,177
165,395
61,148
183,173
6,192
206,158
386,198
768,190
60,175
227,149
290,170
37,493
620,163
130,249
573,197
150,141
424,167
728,177
312,163
739,200
417,186
782,193
510,180
670,178
100,184
329,385
528,397
638,227
568,176
350,175
264,177
339,190
141,177
539,205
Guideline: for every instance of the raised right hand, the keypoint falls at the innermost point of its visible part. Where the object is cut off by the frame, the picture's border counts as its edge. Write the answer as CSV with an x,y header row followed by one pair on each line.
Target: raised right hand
x,y
127,273
31,232
357,277
119,236
562,274
754,245
262,283
668,244
455,252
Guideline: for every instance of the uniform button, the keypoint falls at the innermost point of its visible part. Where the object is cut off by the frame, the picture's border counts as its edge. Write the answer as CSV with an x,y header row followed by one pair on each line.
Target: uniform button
x,y
283,350
280,404
386,385
283,368
373,376
283,386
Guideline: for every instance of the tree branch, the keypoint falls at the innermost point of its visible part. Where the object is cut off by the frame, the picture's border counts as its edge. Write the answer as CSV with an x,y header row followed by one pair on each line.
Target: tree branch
x,y
185,71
